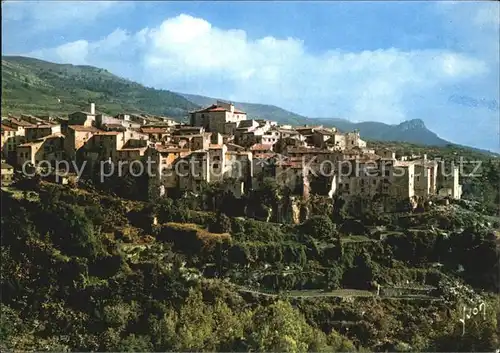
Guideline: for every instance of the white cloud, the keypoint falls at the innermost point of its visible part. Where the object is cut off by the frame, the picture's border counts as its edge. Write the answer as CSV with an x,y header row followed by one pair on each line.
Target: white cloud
x,y
189,54
184,50
48,15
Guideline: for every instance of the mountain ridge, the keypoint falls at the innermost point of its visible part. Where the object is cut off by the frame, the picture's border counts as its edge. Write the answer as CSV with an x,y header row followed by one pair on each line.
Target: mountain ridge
x,y
35,86
413,131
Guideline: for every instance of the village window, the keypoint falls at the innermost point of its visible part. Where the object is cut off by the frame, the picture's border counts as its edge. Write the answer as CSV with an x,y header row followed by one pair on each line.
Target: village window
x,y
216,158
216,165
374,182
418,177
387,173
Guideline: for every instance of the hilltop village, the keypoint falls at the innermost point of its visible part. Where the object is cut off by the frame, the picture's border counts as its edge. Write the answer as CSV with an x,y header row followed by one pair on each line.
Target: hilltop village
x,y
221,144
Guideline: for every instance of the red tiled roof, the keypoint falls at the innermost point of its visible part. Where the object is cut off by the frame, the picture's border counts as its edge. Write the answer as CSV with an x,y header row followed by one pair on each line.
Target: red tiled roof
x,y
83,128
171,149
215,147
216,108
114,126
132,149
154,130
38,126
19,122
7,128
261,147
267,155
109,133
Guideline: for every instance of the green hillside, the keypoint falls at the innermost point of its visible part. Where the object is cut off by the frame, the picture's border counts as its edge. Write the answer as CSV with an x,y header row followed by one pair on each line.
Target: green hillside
x,y
413,131
39,87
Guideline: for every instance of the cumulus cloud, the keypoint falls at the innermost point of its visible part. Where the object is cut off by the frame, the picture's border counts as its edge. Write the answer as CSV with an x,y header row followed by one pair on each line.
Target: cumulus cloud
x,y
184,50
189,54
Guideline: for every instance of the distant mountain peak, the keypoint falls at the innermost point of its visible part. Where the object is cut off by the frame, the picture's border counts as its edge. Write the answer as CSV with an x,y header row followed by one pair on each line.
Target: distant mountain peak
x,y
412,124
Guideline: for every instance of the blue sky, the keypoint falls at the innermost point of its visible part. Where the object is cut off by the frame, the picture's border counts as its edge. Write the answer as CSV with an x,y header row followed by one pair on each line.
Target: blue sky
x,y
381,61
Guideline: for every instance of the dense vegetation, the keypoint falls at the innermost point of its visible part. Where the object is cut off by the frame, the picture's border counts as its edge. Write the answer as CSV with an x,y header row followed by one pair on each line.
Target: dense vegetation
x,y
479,171
33,86
83,270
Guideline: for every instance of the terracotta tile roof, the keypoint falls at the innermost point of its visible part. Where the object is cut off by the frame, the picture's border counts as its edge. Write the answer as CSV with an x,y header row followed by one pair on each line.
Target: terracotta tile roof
x,y
287,131
235,146
114,126
261,147
241,153
32,143
108,133
19,122
82,128
154,130
266,155
42,139
215,147
7,128
216,108
132,149
189,128
187,136
41,126
304,150
165,149
324,131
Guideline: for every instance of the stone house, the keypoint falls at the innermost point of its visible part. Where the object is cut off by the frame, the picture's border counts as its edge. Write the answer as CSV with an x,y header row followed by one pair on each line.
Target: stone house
x,y
425,178
193,142
402,177
163,176
259,149
36,132
156,133
7,173
215,117
193,171
320,136
217,162
238,171
10,140
49,148
448,180
76,137
82,117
